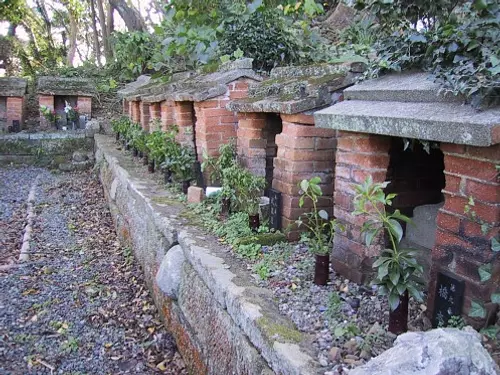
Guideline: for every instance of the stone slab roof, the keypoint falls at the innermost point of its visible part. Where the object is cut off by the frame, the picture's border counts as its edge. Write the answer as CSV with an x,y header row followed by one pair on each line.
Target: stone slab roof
x,y
297,89
196,87
141,81
411,106
65,86
10,86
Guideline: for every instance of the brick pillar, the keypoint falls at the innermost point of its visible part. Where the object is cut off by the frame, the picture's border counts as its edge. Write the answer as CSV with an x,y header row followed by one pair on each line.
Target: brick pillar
x,y
304,151
215,125
251,142
136,111
167,114
184,119
126,107
144,116
84,104
15,110
358,155
46,100
461,246
154,111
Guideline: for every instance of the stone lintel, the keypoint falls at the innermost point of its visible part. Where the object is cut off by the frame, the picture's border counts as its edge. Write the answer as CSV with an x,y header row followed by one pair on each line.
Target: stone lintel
x,y
141,81
64,86
194,87
14,87
432,121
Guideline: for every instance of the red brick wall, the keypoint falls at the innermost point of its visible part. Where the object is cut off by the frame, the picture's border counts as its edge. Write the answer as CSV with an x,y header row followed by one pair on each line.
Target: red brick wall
x,y
126,107
15,110
304,151
358,155
183,113
461,247
135,111
167,114
84,104
252,142
47,100
154,111
214,124
144,116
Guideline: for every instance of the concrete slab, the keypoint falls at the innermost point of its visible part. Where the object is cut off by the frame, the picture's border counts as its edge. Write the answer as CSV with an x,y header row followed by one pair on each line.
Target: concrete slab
x,y
441,122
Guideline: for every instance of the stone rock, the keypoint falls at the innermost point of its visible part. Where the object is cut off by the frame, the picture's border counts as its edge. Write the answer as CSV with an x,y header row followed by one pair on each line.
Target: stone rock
x,y
93,125
195,194
81,165
423,232
342,17
80,156
436,352
67,167
334,354
169,274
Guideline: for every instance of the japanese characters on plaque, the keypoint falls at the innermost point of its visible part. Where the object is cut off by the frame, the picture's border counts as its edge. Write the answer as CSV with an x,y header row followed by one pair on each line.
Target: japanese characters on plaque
x,y
448,299
274,209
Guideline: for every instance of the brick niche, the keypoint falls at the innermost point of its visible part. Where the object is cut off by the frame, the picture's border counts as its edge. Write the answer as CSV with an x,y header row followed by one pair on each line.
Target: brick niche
x,y
12,104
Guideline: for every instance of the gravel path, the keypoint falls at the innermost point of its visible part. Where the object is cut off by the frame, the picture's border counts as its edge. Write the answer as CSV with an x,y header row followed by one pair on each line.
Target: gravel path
x,y
80,306
15,184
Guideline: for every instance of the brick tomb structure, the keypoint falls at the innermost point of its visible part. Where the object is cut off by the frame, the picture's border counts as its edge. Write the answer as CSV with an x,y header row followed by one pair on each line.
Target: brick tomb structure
x,y
455,160
54,92
12,103
196,103
277,137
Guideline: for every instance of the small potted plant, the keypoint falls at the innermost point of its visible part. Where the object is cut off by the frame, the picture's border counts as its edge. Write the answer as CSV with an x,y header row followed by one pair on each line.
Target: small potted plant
x,y
182,167
246,190
49,114
320,229
397,270
155,144
172,150
72,114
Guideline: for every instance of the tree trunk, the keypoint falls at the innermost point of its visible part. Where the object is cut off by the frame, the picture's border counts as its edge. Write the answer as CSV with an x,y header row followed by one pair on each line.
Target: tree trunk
x,y
129,14
97,47
73,31
104,29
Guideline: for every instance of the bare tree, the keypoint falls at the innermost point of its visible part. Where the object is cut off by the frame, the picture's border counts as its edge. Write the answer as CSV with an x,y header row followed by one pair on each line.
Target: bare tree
x,y
97,48
129,14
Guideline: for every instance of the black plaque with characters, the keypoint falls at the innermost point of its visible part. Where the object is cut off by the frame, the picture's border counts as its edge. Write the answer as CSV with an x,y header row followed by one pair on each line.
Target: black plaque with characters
x,y
448,300
274,209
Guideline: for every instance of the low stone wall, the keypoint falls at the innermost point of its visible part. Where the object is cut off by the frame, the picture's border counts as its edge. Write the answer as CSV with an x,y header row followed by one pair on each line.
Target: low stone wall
x,y
47,148
222,322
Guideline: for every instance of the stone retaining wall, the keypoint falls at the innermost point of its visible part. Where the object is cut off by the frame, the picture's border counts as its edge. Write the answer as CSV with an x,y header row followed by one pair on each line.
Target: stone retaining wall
x,y
222,322
52,148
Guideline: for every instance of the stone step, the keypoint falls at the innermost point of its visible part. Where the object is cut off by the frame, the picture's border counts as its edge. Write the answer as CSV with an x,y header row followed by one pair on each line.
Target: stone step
x,y
440,122
403,87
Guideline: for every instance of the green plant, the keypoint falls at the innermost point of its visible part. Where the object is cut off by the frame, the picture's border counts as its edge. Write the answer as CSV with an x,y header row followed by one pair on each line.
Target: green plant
x,y
333,310
320,228
155,144
456,322
243,188
182,163
250,251
346,330
49,114
457,42
397,269
272,259
216,165
122,126
485,271
138,137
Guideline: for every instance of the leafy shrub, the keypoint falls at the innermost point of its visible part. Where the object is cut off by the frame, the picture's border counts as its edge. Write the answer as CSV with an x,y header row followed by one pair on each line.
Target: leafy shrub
x,y
457,42
264,36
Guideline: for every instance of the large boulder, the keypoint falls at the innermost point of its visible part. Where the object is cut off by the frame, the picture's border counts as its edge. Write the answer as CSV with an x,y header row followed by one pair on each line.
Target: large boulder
x,y
169,274
440,351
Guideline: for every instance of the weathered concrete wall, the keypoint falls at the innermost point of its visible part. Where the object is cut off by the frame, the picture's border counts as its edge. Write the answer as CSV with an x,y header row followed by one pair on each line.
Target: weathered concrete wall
x,y
44,148
222,322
